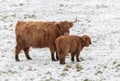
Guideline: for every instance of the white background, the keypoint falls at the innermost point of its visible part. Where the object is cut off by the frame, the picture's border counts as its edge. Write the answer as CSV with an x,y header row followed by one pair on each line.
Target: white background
x,y
100,19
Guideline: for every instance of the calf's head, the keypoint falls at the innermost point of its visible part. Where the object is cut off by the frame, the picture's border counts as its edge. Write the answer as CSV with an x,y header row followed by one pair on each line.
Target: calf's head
x,y
63,27
87,40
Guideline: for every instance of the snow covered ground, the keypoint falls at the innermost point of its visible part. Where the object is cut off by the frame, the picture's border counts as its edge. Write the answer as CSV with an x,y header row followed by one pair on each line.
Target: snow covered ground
x,y
98,18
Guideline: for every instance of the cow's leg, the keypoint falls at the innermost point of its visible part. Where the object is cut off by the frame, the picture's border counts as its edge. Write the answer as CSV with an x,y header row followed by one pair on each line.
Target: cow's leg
x,y
26,51
17,51
52,50
52,56
57,56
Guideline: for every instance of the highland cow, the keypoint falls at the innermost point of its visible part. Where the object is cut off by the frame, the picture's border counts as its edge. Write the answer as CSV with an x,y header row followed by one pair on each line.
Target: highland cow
x,y
39,35
71,44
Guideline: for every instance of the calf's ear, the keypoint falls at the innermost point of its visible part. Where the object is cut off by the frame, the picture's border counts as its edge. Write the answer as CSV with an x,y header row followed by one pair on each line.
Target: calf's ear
x,y
84,38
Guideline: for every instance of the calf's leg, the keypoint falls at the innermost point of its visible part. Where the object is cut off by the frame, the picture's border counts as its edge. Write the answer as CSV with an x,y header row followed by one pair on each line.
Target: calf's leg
x,y
77,56
62,59
72,56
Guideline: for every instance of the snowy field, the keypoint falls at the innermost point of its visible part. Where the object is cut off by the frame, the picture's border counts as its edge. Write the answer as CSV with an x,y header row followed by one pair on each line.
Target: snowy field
x,y
100,19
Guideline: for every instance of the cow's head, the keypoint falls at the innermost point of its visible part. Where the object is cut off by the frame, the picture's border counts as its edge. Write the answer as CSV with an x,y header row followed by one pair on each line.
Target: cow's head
x,y
63,27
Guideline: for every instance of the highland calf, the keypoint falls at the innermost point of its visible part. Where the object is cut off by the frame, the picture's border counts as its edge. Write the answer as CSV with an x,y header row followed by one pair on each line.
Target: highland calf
x,y
39,35
71,44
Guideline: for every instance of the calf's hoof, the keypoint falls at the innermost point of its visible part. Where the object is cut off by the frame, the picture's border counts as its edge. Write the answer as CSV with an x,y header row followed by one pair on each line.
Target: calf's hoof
x,y
72,59
62,62
78,60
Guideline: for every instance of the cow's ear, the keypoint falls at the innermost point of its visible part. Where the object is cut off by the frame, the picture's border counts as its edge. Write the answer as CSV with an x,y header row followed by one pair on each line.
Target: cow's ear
x,y
68,24
71,24
59,26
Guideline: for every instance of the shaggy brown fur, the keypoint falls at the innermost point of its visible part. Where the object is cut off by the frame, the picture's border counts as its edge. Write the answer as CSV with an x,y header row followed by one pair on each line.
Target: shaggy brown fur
x,y
39,35
71,44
